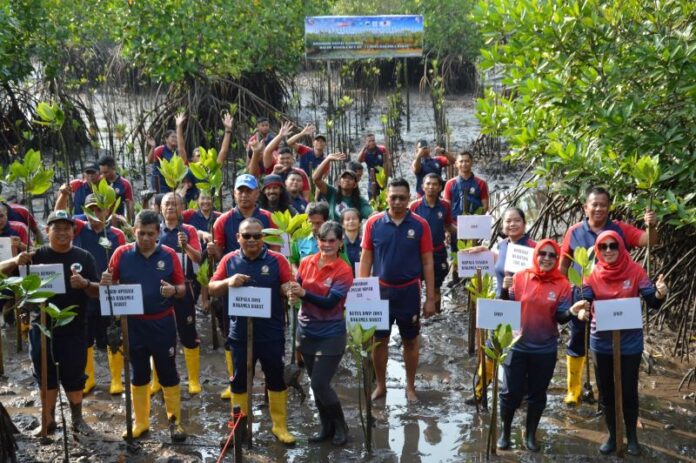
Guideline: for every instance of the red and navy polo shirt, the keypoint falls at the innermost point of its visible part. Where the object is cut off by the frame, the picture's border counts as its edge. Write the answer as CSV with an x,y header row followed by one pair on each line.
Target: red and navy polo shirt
x,y
124,190
439,217
581,235
169,237
227,225
475,189
309,160
18,229
430,165
80,189
397,249
17,213
374,158
196,218
87,239
269,270
129,266
160,152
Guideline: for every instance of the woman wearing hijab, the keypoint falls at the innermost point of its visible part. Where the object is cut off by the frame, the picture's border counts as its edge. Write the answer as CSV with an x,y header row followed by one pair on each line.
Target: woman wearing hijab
x,y
545,296
616,276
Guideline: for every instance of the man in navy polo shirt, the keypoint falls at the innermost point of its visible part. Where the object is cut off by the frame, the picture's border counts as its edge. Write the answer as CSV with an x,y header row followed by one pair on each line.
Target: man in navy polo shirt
x,y
424,163
398,247
157,269
122,187
183,239
309,158
584,234
87,236
467,194
82,187
17,213
374,156
255,265
225,232
436,212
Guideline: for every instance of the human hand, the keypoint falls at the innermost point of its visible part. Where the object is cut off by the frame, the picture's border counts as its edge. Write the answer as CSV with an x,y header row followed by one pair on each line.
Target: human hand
x,y
507,282
227,121
650,218
77,281
214,250
24,258
167,289
578,306
237,280
429,308
584,315
309,129
180,118
106,279
64,189
661,287
286,128
151,141
183,240
337,157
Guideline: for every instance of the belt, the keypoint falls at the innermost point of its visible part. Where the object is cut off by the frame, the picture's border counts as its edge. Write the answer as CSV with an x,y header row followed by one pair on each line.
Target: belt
x,y
416,280
155,316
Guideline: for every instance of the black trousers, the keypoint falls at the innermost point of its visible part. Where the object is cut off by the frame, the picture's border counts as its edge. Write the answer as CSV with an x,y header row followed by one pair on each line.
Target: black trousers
x,y
604,372
526,374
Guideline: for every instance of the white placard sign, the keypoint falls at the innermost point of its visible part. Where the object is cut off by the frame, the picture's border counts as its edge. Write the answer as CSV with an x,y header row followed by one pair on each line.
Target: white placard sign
x,y
57,284
249,301
364,289
5,248
125,300
468,262
518,258
474,227
492,312
618,314
368,313
285,247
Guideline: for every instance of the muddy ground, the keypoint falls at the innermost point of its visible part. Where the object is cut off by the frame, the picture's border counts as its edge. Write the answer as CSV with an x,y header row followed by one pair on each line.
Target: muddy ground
x,y
439,428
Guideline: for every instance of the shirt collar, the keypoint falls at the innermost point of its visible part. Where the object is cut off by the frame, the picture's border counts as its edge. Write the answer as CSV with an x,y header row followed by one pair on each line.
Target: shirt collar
x,y
261,256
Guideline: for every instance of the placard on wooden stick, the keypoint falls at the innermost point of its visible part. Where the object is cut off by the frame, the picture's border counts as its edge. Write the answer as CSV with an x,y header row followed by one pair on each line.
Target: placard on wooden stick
x,y
125,300
492,312
474,227
57,284
518,258
368,313
618,314
249,301
468,262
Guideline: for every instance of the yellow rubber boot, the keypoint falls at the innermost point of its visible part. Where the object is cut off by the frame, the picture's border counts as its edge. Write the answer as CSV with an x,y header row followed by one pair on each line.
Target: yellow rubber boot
x,y
240,399
141,409
574,370
489,377
89,371
172,402
116,367
155,385
278,406
227,393
193,366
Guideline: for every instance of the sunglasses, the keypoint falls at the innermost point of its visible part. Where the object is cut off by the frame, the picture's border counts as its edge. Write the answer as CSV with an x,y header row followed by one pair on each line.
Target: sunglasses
x,y
256,236
549,255
608,246
398,198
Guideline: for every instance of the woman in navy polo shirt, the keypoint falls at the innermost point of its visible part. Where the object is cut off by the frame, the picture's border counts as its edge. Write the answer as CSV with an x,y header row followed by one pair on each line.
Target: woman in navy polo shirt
x,y
323,281
352,238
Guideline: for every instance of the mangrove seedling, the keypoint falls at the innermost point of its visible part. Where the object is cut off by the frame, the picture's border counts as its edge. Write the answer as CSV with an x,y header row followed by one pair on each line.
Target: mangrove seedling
x,y
501,343
585,262
32,175
361,343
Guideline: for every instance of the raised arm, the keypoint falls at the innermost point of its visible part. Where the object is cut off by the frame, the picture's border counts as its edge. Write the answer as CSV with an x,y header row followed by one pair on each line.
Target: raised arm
x,y
151,154
63,199
323,168
308,130
284,131
253,163
416,165
386,162
227,122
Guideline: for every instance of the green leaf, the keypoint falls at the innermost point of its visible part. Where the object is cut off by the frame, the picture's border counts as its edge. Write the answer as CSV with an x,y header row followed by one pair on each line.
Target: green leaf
x,y
44,330
574,277
32,282
272,231
273,240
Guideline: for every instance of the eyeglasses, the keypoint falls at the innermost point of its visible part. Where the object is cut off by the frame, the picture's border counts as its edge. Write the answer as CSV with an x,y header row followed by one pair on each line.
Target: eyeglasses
x,y
608,246
256,236
549,255
398,198
329,240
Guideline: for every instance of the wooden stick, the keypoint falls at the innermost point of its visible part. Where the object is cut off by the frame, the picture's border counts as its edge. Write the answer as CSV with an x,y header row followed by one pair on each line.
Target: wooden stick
x,y
18,322
618,393
482,355
127,378
44,379
250,375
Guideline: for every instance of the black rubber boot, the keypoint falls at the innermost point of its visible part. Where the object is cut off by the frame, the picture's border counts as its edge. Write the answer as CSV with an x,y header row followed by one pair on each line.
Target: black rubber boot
x,y
506,418
609,445
335,414
631,421
78,424
533,416
327,427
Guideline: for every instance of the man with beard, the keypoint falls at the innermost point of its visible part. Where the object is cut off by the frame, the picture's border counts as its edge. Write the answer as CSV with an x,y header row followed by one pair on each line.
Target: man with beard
x,y
293,184
274,197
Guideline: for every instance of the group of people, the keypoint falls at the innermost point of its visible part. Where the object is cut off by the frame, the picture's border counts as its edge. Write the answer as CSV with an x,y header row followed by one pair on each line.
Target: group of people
x,y
405,246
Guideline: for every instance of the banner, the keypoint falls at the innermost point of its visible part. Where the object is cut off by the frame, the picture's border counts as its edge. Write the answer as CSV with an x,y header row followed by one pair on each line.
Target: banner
x,y
360,37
